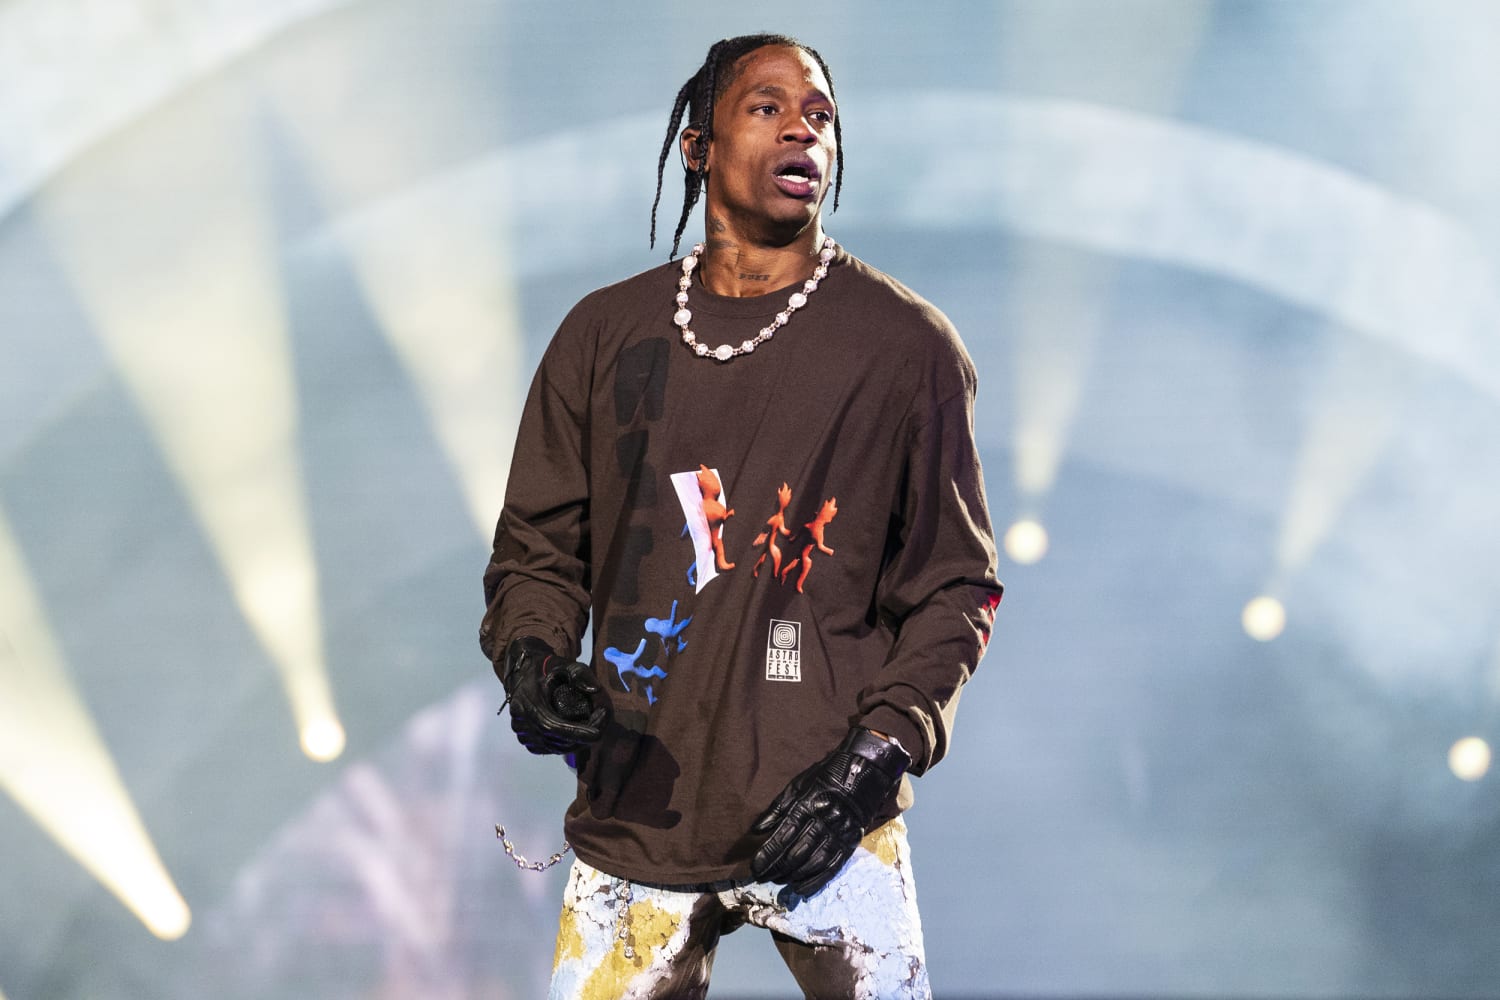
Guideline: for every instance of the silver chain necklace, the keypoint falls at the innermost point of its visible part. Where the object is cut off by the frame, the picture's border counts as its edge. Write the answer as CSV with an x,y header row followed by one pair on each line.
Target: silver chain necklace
x,y
724,352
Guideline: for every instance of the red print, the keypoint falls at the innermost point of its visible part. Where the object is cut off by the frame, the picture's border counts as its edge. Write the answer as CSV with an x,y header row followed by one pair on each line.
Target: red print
x,y
776,524
715,513
815,529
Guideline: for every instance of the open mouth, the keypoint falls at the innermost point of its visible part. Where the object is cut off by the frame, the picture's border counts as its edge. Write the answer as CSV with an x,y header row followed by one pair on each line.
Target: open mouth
x,y
797,177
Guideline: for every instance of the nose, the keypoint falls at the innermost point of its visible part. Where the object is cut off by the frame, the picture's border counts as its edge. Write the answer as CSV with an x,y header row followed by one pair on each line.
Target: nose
x,y
798,130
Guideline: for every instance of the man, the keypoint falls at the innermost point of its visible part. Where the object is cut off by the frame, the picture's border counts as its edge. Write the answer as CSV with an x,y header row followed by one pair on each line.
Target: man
x,y
755,467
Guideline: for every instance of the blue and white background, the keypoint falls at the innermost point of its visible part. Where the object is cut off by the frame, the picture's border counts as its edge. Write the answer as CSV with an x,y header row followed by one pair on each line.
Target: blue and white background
x,y
273,279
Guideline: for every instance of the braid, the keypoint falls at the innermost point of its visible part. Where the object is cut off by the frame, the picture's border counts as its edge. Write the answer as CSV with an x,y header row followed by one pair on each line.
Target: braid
x,y
694,181
697,97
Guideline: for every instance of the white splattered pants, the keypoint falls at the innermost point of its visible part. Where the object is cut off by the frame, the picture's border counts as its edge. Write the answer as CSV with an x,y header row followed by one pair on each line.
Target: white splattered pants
x,y
860,937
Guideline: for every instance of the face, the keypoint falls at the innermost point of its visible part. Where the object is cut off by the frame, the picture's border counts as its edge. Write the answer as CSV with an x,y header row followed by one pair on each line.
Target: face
x,y
772,155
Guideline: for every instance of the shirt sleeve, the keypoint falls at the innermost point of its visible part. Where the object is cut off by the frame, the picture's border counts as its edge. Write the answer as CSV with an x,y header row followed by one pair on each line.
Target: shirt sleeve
x,y
939,590
537,582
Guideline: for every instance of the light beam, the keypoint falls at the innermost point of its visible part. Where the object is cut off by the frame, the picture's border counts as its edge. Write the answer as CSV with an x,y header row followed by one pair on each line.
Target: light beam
x,y
435,269
1053,319
54,763
1352,415
180,280
1060,300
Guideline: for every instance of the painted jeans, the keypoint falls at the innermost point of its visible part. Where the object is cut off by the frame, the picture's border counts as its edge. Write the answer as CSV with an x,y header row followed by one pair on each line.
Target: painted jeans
x,y
859,937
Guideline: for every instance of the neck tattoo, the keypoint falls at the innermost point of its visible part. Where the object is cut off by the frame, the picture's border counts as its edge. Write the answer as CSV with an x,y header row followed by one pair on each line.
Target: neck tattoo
x,y
725,352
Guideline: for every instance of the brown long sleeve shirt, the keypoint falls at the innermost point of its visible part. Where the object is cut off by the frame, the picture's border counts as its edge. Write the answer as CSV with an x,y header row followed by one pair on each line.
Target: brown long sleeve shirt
x,y
771,550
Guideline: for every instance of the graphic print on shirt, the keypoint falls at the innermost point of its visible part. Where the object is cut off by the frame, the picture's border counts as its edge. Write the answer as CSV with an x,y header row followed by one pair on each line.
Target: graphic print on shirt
x,y
775,525
629,663
812,538
784,651
669,634
669,628
706,506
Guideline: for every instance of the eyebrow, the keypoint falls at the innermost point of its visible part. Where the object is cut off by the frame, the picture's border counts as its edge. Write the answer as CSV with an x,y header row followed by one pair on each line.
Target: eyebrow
x,y
775,90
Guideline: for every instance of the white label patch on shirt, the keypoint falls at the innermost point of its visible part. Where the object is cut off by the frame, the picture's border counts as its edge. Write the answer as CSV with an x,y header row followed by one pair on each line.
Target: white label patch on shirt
x,y
784,651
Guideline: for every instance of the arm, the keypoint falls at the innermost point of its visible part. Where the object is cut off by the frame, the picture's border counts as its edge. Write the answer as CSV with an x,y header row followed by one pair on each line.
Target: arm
x,y
938,591
536,582
537,579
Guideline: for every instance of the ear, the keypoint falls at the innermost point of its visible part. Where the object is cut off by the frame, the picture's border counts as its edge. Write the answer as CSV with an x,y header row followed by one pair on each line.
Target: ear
x,y
694,149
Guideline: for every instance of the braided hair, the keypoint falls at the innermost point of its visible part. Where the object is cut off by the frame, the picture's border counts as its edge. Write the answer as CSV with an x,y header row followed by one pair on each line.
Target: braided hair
x,y
698,96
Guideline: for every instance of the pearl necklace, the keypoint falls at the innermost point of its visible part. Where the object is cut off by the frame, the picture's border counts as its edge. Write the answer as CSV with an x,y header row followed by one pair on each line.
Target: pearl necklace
x,y
724,352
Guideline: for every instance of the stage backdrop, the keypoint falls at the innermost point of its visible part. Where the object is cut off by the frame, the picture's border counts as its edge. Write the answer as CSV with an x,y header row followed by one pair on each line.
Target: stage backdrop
x,y
273,280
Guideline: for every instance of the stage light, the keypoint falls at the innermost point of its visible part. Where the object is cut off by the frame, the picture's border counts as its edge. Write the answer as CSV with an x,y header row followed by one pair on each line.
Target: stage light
x,y
323,739
193,319
1026,542
1469,758
1264,618
54,763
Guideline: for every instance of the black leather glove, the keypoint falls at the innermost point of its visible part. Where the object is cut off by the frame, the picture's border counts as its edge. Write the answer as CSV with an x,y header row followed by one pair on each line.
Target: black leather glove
x,y
556,704
817,822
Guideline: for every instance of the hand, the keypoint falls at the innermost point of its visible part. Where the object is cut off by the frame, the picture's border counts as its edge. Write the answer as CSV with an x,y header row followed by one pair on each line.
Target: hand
x,y
556,704
817,822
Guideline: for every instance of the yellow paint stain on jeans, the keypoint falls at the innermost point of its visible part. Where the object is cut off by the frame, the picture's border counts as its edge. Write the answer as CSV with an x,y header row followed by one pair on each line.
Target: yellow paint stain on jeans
x,y
569,939
647,929
880,843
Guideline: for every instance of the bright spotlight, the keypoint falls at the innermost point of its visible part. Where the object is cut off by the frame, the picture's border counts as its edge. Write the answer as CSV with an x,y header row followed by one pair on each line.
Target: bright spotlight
x,y
1026,541
165,914
323,739
194,321
1469,758
1263,619
54,763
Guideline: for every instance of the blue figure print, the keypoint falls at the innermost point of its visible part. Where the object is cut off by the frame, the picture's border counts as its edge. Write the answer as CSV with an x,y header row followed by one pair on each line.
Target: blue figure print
x,y
692,570
669,628
629,663
625,663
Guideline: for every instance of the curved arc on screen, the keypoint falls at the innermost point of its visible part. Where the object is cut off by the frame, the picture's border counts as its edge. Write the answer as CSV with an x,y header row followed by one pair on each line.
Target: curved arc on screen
x,y
1110,180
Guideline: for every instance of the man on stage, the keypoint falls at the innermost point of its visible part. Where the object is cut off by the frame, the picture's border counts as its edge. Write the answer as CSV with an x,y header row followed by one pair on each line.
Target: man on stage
x,y
755,469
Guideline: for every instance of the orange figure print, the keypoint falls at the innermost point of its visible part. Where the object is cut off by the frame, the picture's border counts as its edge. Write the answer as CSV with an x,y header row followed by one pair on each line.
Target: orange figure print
x,y
815,529
776,524
715,513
